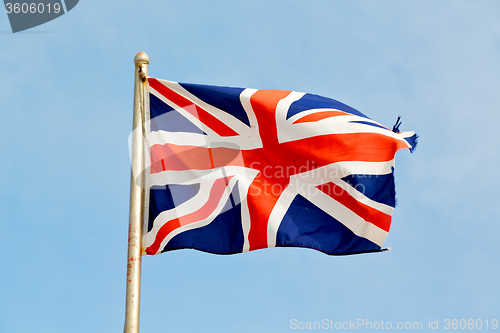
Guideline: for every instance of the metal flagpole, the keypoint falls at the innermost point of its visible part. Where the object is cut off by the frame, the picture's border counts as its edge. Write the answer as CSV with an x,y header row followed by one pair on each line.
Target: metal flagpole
x,y
137,195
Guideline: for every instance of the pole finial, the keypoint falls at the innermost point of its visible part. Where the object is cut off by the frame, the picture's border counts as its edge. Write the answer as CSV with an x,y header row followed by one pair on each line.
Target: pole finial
x,y
141,57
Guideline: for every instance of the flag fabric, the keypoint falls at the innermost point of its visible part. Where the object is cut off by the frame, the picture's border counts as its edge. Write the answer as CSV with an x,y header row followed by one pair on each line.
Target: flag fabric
x,y
232,170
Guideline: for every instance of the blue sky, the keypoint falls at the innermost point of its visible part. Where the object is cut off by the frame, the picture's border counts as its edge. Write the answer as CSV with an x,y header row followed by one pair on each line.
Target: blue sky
x,y
66,104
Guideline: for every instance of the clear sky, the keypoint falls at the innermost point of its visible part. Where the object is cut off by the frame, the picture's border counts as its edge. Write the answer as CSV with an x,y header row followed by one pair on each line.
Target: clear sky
x,y
66,93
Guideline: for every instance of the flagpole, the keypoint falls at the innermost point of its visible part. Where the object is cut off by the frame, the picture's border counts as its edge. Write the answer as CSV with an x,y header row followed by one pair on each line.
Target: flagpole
x,y
137,195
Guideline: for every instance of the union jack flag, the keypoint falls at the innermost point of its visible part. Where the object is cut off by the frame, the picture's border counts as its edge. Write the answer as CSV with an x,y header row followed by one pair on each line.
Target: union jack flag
x,y
233,170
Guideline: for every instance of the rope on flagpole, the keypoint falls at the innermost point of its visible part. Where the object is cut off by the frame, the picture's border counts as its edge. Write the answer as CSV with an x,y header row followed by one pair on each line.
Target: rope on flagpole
x,y
137,195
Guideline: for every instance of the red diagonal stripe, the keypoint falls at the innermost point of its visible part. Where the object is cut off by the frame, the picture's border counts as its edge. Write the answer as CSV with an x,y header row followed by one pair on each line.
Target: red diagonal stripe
x,y
205,117
204,212
320,115
367,213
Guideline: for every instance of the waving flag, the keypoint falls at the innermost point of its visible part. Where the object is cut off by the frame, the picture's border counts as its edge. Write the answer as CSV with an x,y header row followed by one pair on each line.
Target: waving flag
x,y
233,170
